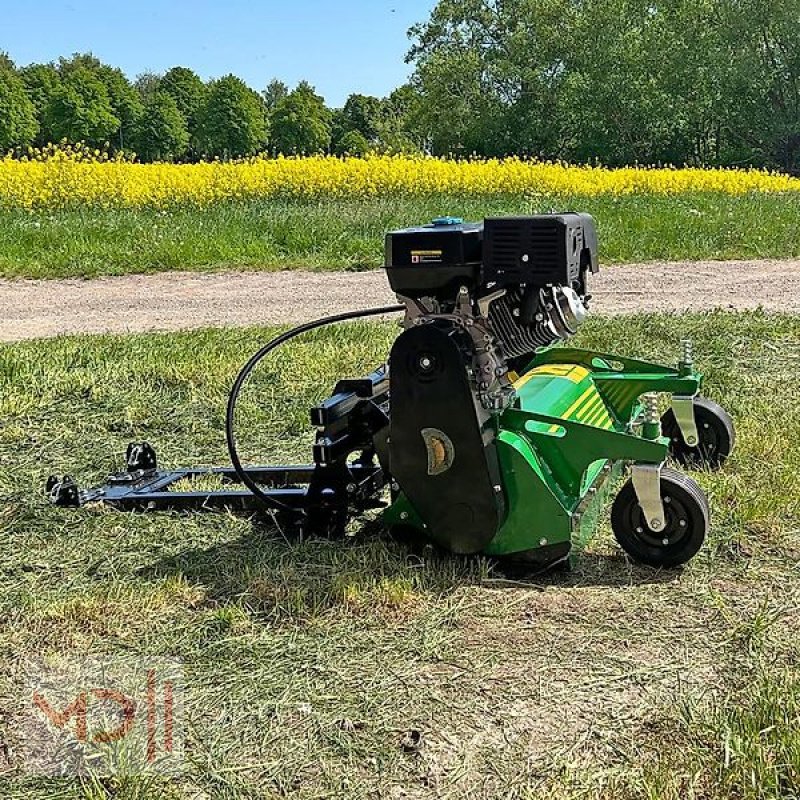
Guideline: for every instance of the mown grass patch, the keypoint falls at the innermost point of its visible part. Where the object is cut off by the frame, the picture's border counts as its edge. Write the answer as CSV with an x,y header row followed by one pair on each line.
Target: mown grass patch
x,y
309,662
349,234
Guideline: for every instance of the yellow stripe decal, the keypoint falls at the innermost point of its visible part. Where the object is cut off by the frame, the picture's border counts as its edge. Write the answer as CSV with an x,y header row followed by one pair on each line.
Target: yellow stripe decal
x,y
588,410
579,402
599,415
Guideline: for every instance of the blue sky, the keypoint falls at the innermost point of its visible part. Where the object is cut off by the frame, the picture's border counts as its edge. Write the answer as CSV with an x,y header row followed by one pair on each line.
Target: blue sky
x,y
341,46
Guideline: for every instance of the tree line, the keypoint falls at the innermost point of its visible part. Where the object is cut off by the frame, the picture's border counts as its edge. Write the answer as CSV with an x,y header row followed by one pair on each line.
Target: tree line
x,y
713,82
707,82
179,117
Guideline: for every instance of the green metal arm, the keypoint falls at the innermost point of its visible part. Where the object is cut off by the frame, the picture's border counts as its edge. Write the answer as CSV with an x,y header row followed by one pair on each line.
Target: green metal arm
x,y
621,391
622,381
598,362
570,447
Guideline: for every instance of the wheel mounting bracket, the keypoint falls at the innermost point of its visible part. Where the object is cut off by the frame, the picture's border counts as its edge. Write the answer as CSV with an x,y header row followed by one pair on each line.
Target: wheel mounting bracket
x,y
647,485
683,409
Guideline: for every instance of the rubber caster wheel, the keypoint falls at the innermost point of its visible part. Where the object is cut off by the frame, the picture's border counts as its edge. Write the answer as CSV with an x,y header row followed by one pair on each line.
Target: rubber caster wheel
x,y
686,512
716,432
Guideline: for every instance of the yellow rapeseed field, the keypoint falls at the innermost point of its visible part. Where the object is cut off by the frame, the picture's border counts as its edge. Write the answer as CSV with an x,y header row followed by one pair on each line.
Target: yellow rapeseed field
x,y
73,177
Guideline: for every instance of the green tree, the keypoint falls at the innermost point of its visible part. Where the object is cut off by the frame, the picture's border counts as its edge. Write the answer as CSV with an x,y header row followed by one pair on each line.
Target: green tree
x,y
41,82
147,84
339,128
275,92
301,123
466,77
762,85
353,143
630,114
80,110
698,81
363,113
162,134
18,125
550,78
187,90
456,115
397,129
232,122
125,102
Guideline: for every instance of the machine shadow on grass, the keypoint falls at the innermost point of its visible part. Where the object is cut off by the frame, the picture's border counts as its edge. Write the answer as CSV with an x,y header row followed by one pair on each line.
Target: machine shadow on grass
x,y
276,573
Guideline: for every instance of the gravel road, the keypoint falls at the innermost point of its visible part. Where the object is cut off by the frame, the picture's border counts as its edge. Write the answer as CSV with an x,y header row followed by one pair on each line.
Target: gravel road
x,y
178,300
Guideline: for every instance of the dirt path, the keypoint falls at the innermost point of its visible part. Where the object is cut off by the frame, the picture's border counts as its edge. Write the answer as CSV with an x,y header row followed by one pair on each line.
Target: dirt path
x,y
177,300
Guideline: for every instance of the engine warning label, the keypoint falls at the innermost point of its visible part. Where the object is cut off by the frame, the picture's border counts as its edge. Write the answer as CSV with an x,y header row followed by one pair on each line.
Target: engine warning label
x,y
426,256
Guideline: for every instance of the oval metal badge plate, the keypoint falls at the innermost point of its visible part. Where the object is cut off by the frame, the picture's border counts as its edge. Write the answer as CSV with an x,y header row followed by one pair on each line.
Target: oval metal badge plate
x,y
441,452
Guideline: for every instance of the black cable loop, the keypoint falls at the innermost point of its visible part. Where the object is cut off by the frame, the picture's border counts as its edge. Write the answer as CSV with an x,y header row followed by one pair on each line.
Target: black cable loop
x,y
248,368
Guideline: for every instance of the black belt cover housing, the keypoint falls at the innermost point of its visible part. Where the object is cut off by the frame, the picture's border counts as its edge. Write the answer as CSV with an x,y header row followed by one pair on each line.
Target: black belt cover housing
x,y
437,452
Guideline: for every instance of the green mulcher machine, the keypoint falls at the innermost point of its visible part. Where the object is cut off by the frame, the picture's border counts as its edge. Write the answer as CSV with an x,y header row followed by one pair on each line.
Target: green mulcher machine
x,y
483,432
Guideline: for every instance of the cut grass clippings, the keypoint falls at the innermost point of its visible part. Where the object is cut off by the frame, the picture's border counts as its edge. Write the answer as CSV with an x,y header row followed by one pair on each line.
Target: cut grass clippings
x,y
309,664
349,234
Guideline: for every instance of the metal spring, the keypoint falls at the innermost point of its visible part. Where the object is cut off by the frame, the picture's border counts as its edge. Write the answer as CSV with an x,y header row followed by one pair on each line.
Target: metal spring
x,y
688,351
651,408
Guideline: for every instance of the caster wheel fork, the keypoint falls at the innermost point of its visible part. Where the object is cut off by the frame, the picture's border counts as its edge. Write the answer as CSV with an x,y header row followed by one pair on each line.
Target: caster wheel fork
x,y
714,430
685,523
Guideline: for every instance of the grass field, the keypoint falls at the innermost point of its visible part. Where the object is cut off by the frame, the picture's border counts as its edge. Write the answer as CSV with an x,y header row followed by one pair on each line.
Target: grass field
x,y
308,663
349,233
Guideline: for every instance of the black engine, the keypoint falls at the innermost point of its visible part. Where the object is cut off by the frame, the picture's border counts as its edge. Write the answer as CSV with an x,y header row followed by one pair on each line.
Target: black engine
x,y
480,299
532,270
